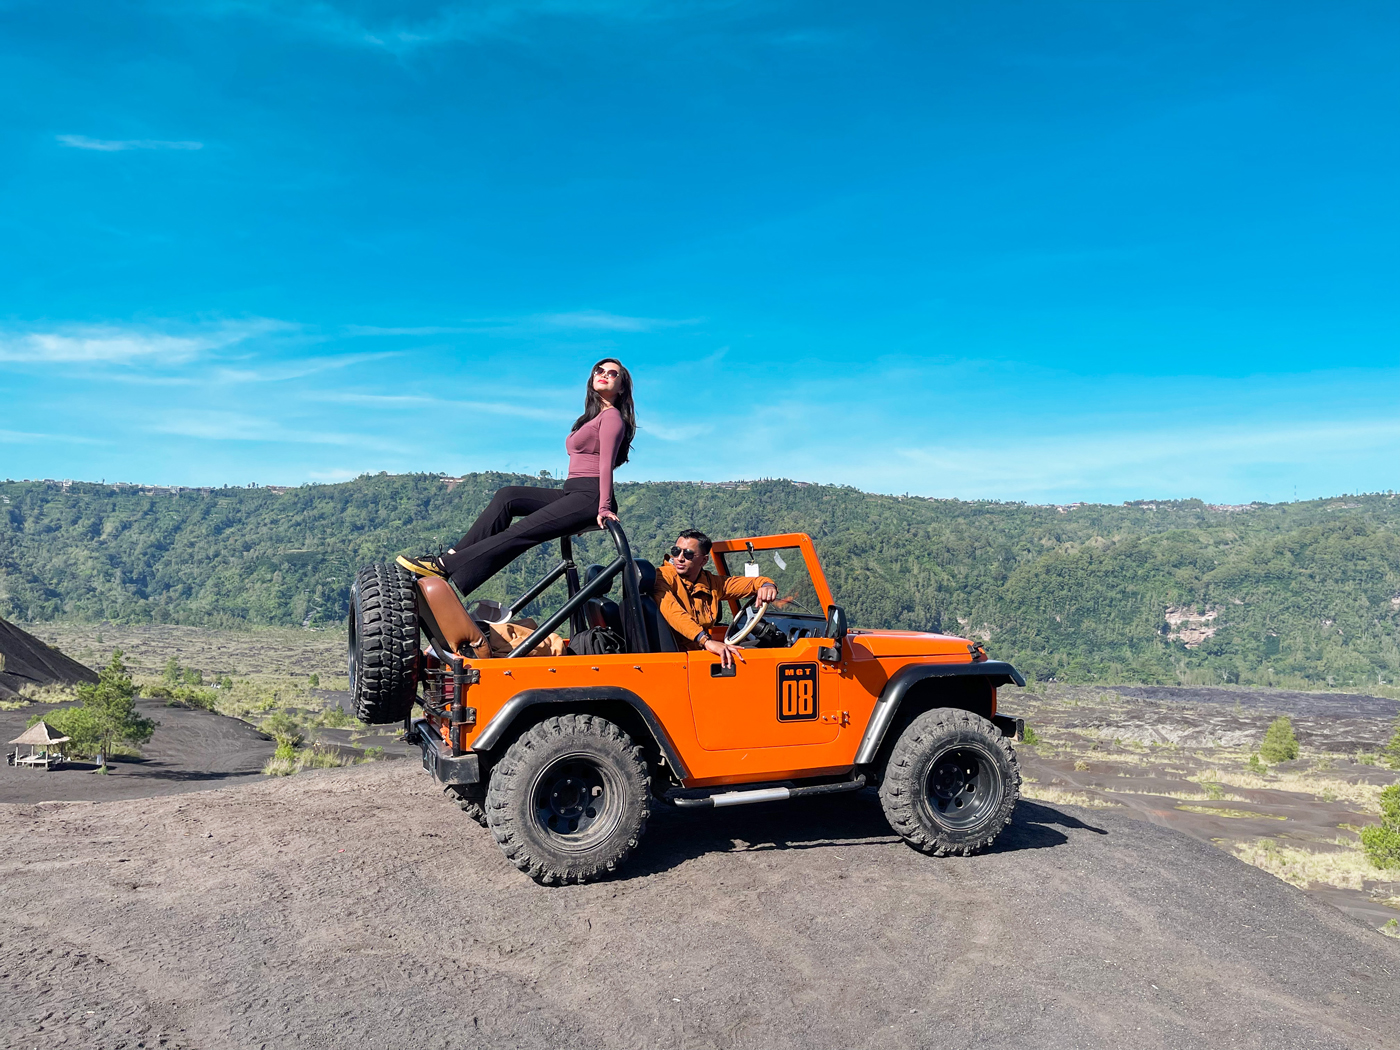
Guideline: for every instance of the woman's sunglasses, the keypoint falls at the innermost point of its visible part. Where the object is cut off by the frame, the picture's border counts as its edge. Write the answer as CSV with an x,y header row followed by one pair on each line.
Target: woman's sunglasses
x,y
683,552
611,373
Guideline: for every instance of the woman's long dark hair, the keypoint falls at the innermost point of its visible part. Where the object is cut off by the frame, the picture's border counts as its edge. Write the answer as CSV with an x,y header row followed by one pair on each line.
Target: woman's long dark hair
x,y
593,404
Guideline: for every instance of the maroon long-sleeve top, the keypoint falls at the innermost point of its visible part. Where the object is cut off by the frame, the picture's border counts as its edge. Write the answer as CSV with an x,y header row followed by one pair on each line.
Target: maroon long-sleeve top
x,y
592,452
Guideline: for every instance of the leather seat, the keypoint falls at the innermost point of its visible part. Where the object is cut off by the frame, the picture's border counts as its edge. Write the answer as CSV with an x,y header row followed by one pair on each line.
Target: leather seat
x,y
446,620
660,638
603,612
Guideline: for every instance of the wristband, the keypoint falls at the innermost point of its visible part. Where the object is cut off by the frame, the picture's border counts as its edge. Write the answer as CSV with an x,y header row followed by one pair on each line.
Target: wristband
x,y
702,638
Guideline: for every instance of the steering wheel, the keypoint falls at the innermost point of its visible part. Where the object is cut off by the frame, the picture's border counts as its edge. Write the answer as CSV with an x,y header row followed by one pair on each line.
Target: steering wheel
x,y
744,623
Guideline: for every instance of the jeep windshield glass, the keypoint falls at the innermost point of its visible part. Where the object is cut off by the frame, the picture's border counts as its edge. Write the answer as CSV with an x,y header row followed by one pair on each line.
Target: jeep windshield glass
x,y
786,567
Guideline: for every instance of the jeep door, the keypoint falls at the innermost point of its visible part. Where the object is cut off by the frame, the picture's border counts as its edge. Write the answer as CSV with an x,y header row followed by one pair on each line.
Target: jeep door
x,y
774,698
780,696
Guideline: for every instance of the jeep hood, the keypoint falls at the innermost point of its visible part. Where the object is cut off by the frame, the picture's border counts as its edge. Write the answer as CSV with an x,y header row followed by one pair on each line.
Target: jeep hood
x,y
910,643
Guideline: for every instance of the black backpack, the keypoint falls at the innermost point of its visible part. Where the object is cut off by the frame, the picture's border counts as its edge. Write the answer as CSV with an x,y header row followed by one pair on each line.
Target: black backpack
x,y
596,641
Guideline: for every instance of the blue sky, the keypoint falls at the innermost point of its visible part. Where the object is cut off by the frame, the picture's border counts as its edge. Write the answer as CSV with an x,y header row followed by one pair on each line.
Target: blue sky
x,y
1027,251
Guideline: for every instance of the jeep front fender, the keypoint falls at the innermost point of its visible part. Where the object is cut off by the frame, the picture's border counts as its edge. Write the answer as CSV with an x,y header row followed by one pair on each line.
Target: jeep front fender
x,y
906,678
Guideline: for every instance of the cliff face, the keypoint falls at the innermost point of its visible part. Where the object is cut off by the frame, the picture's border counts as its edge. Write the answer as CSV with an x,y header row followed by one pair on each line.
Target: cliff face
x,y
28,661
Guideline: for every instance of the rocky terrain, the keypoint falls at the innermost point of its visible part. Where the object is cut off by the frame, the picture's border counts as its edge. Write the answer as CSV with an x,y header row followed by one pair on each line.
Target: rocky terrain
x,y
359,908
1185,758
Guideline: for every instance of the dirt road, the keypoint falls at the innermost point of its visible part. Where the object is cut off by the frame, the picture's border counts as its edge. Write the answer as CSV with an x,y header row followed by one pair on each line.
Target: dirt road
x,y
357,908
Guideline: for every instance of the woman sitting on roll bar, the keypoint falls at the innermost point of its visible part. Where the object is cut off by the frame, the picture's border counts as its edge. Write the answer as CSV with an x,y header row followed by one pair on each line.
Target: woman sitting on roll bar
x,y
600,441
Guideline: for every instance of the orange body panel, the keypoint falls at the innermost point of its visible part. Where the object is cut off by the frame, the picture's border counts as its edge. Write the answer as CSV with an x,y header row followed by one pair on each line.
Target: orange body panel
x,y
783,715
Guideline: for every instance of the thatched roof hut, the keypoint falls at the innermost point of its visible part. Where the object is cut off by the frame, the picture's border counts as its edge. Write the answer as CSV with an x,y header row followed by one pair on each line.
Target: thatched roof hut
x,y
40,734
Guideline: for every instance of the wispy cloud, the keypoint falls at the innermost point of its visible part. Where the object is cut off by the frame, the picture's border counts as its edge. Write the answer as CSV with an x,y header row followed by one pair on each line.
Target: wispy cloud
x,y
213,425
120,145
598,320
444,405
21,437
1181,461
111,344
363,329
682,433
453,22
298,369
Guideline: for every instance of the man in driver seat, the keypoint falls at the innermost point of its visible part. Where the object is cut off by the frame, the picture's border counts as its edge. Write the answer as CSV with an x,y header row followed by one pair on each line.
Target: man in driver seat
x,y
689,595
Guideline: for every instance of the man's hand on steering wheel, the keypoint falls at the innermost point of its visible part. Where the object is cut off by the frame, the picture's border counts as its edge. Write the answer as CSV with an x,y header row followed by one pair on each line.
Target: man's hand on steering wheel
x,y
727,653
767,593
608,515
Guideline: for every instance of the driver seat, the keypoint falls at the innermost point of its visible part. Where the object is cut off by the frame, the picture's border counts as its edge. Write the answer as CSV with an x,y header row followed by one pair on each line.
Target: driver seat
x,y
660,639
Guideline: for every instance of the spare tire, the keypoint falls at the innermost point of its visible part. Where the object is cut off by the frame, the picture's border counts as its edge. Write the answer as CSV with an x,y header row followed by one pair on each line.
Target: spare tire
x,y
383,644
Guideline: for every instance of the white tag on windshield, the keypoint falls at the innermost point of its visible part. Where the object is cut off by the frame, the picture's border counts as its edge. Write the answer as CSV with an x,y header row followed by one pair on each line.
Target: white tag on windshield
x,y
750,568
778,560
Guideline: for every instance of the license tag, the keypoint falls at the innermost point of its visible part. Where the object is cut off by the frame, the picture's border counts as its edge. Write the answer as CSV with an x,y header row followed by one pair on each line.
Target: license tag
x,y
750,568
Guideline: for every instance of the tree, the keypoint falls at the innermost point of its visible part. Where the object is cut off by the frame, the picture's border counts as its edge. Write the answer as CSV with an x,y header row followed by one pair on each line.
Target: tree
x,y
107,715
172,674
1382,841
1280,745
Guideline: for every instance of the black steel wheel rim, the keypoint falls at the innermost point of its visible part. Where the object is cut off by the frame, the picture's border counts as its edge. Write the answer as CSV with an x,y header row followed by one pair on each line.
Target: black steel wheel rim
x,y
577,802
962,787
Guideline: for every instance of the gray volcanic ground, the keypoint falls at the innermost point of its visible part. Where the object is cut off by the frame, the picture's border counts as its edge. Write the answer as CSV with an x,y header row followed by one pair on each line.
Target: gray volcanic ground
x,y
359,908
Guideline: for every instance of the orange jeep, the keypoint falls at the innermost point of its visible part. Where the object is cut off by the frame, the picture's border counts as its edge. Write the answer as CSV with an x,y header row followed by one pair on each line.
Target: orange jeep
x,y
562,757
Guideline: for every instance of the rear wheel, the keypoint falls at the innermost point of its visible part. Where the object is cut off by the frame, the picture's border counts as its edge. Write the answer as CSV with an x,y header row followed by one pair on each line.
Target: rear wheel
x,y
570,799
951,784
383,644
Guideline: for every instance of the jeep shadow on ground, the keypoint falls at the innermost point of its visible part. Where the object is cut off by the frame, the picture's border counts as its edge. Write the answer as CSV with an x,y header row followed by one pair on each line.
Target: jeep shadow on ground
x,y
676,836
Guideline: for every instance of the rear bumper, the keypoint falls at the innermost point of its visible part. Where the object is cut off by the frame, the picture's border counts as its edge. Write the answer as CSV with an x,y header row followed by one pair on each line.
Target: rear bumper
x,y
445,768
1015,728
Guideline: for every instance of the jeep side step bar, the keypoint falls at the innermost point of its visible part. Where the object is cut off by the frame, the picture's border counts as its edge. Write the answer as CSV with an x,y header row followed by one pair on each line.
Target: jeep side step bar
x,y
771,794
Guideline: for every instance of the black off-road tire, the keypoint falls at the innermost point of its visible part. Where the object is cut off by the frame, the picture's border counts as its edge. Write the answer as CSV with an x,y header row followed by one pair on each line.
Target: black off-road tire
x,y
471,800
569,800
383,644
951,783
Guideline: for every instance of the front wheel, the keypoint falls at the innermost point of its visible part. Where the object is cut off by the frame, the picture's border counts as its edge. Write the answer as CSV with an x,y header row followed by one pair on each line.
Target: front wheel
x,y
570,799
951,784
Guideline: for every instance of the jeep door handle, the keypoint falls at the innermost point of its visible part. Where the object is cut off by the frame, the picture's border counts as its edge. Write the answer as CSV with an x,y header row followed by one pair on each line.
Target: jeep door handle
x,y
720,671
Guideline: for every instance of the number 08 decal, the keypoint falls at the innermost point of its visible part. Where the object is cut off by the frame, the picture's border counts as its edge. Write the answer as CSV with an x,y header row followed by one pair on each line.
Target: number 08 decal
x,y
797,692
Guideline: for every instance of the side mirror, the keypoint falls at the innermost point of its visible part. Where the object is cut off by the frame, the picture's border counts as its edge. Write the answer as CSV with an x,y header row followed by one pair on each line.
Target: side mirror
x,y
836,631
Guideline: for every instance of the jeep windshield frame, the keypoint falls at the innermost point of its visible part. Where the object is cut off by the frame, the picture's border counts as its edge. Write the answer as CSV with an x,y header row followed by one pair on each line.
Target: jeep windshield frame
x,y
798,540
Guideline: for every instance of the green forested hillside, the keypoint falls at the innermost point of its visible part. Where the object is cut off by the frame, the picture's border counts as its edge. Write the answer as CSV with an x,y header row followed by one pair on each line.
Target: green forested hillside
x,y
1287,593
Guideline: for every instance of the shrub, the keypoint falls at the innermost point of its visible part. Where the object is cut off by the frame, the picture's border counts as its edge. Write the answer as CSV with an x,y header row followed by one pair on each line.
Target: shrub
x,y
1392,749
284,728
1280,745
1382,841
201,699
1256,766
1031,737
314,681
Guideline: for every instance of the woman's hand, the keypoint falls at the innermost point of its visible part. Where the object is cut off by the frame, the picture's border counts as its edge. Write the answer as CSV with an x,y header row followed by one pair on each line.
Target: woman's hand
x,y
606,515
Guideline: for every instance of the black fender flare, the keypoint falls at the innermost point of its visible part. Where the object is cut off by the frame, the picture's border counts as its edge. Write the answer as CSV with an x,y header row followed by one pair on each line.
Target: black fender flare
x,y
906,678
496,729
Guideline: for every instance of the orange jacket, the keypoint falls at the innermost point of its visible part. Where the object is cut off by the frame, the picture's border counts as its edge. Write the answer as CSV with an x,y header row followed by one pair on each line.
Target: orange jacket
x,y
690,608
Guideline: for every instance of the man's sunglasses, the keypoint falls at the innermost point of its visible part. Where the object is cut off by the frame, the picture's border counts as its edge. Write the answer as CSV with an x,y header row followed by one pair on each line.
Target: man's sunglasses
x,y
611,373
684,552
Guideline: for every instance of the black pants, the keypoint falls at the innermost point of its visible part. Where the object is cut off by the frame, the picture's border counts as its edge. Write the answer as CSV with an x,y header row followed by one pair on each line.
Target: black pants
x,y
544,514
